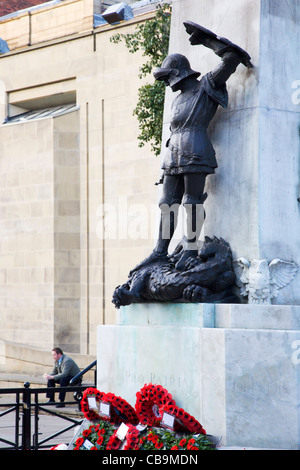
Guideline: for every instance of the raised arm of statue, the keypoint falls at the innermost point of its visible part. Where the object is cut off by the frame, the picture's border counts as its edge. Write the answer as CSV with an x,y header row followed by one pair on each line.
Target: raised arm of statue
x,y
221,73
220,46
231,54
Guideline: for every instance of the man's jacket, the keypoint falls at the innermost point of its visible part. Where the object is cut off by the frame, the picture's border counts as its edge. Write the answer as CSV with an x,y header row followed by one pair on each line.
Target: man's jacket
x,y
66,368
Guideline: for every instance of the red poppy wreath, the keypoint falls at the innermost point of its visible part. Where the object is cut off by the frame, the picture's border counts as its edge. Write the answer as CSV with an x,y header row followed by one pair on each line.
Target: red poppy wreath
x,y
119,410
183,420
150,401
91,413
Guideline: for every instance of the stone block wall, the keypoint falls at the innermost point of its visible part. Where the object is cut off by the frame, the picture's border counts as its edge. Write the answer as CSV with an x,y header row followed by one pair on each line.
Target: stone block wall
x,y
50,22
26,232
90,160
66,195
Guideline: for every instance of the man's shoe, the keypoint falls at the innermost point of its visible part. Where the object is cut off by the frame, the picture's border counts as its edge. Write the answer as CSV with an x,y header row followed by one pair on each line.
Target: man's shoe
x,y
60,405
50,402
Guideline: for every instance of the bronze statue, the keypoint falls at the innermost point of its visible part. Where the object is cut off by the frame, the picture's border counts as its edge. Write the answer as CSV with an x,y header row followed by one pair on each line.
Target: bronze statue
x,y
208,278
190,155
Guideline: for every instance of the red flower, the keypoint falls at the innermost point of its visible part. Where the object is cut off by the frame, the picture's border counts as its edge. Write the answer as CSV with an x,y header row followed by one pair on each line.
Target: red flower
x,y
182,442
152,437
190,444
159,445
79,442
174,448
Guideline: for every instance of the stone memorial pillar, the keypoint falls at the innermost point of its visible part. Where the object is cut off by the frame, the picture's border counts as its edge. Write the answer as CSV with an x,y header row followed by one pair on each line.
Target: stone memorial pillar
x,y
235,367
253,198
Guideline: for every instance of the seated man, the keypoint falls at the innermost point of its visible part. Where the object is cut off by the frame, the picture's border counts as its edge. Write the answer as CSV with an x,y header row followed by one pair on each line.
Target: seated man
x,y
64,370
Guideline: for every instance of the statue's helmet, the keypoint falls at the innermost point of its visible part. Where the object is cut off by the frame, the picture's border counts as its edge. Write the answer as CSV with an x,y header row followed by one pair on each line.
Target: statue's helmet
x,y
174,68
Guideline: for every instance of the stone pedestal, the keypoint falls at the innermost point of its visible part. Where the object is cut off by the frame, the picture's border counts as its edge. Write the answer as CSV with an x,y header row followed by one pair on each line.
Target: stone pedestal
x,y
236,368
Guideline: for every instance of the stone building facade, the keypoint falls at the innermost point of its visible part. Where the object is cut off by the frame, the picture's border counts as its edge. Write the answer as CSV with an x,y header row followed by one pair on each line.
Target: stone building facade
x,y
71,174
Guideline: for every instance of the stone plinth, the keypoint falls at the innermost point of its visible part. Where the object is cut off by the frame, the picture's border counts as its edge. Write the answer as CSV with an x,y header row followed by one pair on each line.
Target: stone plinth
x,y
236,368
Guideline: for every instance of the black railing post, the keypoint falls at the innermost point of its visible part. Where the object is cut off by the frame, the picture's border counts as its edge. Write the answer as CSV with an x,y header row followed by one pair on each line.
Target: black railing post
x,y
26,424
17,422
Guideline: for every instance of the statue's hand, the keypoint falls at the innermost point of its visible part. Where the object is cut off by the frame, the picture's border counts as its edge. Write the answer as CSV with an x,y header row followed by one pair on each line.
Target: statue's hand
x,y
197,38
198,34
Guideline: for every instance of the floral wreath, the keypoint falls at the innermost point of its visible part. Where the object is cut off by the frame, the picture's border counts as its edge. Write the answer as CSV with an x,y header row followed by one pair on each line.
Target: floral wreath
x,y
183,420
153,401
89,413
97,434
150,402
132,440
120,409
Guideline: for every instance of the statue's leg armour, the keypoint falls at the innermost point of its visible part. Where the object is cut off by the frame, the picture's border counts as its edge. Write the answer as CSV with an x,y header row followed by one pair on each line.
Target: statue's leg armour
x,y
168,223
195,216
169,203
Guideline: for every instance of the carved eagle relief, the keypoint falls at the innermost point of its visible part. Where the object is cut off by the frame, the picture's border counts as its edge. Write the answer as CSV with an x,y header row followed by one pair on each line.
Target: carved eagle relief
x,y
260,280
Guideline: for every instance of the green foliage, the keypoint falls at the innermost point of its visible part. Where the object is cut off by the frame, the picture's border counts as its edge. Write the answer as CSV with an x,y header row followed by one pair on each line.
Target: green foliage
x,y
161,439
151,37
149,112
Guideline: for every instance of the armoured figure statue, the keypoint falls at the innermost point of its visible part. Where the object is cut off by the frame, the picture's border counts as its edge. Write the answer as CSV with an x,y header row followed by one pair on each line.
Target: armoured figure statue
x,y
190,156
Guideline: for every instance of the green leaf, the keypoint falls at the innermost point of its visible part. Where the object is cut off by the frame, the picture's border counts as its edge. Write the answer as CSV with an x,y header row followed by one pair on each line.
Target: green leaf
x,y
151,37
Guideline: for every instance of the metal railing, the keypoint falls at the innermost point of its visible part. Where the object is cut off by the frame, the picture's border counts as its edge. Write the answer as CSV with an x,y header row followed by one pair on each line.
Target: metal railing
x,y
28,409
84,371
78,377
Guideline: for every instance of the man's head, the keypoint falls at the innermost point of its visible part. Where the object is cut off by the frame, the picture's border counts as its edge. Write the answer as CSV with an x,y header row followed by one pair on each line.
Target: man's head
x,y
175,68
56,353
